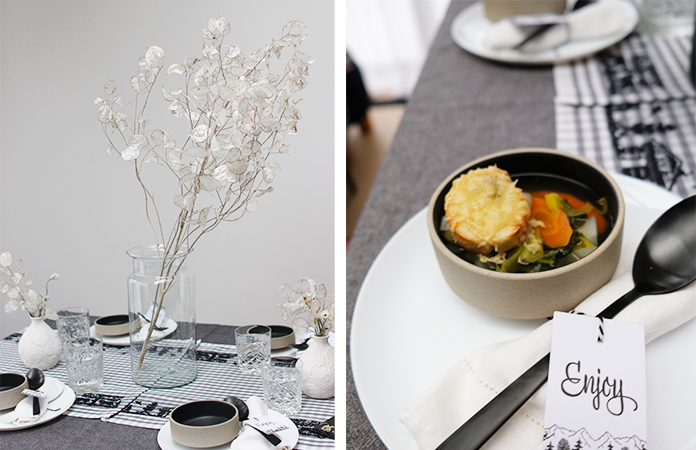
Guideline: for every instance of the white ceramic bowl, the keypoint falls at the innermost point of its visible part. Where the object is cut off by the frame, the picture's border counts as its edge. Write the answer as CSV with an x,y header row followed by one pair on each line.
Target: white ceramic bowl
x,y
533,295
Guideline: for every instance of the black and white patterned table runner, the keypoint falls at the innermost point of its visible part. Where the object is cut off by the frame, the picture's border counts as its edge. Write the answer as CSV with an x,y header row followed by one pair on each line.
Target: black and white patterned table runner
x,y
632,109
123,402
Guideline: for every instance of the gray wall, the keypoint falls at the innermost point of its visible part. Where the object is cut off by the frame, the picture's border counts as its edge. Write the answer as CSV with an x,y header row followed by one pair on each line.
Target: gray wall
x,y
68,207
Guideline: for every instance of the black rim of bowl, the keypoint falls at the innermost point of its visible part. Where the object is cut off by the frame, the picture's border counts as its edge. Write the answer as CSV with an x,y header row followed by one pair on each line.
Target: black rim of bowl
x,y
204,413
106,321
9,381
279,331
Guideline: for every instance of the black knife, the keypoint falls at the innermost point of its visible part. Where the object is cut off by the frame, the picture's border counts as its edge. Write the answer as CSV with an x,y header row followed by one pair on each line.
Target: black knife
x,y
543,28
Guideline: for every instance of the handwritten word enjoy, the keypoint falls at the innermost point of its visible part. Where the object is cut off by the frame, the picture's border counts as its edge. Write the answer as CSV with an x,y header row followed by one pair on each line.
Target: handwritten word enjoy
x,y
573,386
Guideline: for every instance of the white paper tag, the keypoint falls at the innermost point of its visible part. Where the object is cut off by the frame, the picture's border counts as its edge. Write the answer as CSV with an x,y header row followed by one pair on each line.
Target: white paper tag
x,y
596,388
37,394
266,424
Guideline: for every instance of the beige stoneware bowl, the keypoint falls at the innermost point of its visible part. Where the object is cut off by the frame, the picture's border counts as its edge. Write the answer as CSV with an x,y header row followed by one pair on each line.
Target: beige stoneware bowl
x,y
204,423
496,10
116,325
11,387
533,295
281,336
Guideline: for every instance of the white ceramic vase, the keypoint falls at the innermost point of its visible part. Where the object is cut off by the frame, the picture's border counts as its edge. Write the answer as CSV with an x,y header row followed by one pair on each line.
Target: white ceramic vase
x,y
318,368
39,347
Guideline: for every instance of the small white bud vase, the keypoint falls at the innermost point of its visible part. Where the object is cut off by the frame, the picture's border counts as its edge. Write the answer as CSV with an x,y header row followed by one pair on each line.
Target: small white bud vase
x,y
319,364
39,347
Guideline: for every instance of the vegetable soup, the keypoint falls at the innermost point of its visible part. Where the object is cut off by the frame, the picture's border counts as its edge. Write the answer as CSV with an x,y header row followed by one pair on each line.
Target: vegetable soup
x,y
568,222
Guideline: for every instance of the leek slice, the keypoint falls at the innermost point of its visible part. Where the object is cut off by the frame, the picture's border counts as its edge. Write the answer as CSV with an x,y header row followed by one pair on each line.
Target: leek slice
x,y
589,230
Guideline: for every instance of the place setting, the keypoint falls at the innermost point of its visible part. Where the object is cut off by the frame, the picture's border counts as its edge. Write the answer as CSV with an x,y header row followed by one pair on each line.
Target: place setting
x,y
549,32
473,343
114,330
30,400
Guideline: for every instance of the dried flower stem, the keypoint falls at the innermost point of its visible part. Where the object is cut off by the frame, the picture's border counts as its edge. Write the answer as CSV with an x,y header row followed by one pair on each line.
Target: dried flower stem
x,y
238,113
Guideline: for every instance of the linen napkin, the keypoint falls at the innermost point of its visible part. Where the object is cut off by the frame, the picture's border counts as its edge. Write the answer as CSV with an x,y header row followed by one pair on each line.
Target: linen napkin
x,y
472,382
598,19
23,413
250,438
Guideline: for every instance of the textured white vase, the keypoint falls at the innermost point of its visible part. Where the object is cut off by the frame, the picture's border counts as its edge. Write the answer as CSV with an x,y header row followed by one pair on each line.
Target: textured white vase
x,y
39,346
318,368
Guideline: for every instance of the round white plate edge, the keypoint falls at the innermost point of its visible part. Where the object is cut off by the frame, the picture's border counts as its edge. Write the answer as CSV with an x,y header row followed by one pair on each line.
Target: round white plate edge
x,y
65,400
652,196
555,56
290,436
124,339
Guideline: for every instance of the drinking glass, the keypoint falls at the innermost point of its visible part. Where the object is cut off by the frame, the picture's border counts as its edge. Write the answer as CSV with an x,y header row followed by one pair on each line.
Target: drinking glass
x,y
72,322
282,385
253,348
667,18
85,363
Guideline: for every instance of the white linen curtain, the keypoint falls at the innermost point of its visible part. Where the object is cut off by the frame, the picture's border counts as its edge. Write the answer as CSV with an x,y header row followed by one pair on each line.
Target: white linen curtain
x,y
389,41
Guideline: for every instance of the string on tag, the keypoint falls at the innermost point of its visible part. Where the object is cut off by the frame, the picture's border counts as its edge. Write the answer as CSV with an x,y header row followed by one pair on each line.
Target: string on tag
x,y
600,336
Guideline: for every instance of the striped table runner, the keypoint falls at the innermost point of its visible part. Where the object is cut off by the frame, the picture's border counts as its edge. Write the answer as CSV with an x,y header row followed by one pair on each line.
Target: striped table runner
x,y
632,109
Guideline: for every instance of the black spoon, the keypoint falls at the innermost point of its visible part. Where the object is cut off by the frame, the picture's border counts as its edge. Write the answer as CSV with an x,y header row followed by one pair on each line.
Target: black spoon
x,y
241,406
664,262
243,411
35,379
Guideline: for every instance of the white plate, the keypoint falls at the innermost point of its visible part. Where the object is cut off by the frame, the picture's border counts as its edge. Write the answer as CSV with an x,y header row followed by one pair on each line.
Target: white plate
x,y
470,26
290,435
124,339
55,408
408,327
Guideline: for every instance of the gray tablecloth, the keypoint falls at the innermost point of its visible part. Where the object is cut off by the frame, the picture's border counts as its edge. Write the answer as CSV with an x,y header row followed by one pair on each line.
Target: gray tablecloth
x,y
462,108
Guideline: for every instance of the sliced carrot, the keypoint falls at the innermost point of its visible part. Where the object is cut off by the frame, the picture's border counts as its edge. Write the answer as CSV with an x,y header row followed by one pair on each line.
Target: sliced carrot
x,y
576,203
556,231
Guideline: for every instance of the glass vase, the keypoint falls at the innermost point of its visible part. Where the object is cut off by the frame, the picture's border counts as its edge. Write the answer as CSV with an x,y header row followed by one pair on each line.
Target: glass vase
x,y
162,311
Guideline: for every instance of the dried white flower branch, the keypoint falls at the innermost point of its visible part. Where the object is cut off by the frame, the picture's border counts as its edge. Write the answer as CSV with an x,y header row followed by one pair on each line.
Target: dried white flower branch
x,y
19,290
238,113
313,309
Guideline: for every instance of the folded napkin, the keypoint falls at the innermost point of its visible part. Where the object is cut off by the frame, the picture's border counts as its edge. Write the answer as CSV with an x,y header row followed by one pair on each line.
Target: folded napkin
x,y
472,382
23,413
592,21
250,438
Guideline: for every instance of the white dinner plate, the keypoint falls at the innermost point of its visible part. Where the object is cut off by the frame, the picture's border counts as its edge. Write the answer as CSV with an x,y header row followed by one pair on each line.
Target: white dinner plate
x,y
471,24
56,407
409,327
290,435
124,339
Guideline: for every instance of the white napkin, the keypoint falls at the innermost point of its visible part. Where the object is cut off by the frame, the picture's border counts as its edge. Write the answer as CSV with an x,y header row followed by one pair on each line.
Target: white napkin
x,y
23,414
24,411
592,21
250,438
472,382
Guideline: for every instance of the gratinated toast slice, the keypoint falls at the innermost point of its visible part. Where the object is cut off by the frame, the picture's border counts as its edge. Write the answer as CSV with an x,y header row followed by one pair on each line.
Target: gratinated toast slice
x,y
486,211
